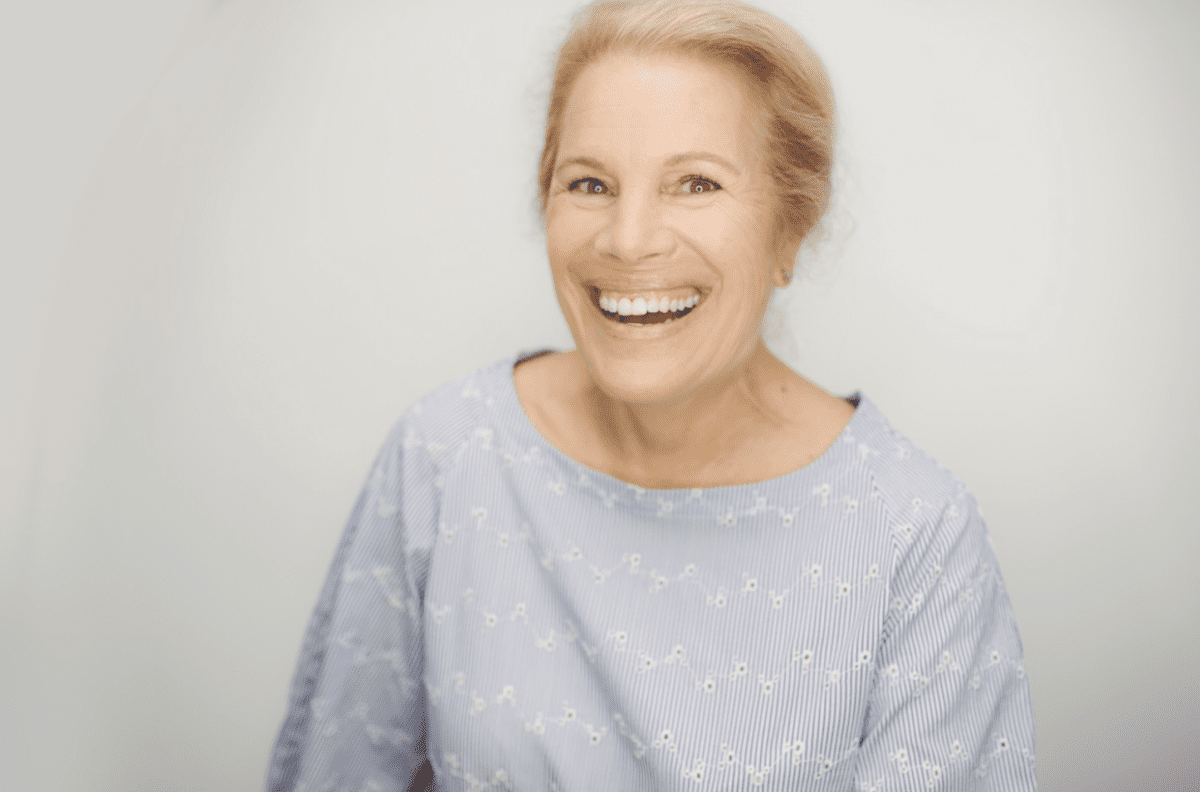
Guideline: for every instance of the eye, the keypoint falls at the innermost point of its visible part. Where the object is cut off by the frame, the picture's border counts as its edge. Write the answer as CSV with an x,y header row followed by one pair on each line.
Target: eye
x,y
588,186
695,185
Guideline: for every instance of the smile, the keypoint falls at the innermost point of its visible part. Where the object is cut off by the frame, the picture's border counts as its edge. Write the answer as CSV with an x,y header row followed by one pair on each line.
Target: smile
x,y
646,308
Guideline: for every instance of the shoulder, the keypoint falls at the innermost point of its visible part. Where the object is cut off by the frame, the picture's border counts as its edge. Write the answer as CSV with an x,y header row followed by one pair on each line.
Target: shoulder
x,y
927,506
444,419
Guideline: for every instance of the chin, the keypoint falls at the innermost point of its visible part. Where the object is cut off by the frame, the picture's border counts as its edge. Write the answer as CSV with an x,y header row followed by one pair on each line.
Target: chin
x,y
634,381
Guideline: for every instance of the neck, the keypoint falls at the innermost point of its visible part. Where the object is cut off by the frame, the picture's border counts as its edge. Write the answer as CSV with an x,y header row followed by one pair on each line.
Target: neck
x,y
706,428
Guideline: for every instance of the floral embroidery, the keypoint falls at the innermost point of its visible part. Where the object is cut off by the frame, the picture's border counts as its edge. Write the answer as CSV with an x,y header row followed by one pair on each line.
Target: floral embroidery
x,y
538,641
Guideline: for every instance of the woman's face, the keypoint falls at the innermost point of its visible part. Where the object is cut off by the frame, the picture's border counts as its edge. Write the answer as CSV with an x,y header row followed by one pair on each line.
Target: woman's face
x,y
659,201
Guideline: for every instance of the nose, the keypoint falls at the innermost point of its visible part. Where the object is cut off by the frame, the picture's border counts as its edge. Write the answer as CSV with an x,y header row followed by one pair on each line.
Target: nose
x,y
636,231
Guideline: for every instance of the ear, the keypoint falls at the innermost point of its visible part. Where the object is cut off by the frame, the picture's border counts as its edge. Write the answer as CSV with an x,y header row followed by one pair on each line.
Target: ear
x,y
787,248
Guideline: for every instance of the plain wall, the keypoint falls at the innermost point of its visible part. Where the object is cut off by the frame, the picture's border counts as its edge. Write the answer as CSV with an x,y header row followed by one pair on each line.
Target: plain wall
x,y
237,238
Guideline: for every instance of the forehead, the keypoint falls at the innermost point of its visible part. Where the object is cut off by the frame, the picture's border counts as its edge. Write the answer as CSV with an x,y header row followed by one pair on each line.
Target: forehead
x,y
652,106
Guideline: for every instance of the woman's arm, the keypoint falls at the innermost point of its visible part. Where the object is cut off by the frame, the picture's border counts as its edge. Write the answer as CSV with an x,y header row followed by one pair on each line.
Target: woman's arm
x,y
355,717
951,707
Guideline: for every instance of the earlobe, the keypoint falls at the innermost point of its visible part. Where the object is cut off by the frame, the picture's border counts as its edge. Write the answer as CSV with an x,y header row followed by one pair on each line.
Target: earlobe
x,y
788,251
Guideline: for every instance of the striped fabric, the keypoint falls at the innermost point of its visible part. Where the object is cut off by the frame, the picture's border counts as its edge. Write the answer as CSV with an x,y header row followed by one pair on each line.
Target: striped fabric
x,y
523,622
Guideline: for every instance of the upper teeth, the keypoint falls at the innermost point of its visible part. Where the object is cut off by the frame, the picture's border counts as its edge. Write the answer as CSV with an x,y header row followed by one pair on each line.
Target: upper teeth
x,y
639,305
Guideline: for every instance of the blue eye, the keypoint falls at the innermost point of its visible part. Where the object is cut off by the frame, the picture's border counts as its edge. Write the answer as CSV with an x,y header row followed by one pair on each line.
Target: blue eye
x,y
588,185
696,185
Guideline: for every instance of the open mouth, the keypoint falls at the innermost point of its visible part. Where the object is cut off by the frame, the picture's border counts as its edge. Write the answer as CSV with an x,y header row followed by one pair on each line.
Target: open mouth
x,y
640,311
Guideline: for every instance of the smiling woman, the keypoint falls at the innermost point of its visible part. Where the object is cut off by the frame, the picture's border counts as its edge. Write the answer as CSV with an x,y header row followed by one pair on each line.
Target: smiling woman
x,y
663,559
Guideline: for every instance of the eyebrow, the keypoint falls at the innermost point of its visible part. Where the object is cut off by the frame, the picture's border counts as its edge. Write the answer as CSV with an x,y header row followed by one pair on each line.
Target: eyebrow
x,y
586,162
672,161
690,156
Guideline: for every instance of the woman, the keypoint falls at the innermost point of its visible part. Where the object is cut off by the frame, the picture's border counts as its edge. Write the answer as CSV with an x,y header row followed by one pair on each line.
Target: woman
x,y
663,559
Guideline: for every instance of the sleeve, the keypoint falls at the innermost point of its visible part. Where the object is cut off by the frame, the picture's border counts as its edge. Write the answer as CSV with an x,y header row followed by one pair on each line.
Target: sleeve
x,y
355,716
951,706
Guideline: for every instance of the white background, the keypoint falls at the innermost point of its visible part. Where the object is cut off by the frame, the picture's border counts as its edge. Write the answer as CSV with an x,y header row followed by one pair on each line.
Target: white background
x,y
238,238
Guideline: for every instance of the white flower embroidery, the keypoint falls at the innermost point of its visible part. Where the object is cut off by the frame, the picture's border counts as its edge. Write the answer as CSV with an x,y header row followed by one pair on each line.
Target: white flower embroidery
x,y
864,658
750,586
478,705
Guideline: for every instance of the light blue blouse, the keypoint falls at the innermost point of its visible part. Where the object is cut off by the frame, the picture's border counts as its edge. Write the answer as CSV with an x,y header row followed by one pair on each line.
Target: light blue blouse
x,y
528,623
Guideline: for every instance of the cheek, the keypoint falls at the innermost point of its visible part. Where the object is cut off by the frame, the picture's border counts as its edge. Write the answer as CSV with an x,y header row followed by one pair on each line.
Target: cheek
x,y
737,248
564,234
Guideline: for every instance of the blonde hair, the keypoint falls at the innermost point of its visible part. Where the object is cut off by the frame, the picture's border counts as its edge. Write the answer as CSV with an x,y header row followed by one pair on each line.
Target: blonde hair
x,y
782,71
